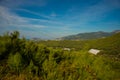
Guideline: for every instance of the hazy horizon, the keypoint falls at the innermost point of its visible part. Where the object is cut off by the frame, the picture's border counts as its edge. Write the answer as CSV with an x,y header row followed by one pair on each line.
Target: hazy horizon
x,y
50,19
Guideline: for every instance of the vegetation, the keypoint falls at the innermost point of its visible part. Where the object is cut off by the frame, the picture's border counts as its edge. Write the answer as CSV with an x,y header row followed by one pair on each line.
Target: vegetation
x,y
22,59
90,35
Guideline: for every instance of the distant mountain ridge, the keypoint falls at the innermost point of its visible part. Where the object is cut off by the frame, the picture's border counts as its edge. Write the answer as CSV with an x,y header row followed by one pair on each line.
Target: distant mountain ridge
x,y
90,35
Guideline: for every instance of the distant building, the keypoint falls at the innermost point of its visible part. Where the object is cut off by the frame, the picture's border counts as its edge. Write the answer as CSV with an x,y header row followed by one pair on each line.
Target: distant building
x,y
66,49
94,51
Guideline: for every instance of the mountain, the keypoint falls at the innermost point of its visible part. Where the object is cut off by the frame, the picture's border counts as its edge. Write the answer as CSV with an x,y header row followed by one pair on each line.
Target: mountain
x,y
116,31
90,35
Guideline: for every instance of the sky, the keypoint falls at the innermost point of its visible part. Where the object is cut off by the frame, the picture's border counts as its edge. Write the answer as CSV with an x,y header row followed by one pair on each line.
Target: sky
x,y
50,19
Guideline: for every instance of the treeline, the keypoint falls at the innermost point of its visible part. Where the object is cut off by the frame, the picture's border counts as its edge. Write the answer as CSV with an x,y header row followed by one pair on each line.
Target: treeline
x,y
22,59
76,45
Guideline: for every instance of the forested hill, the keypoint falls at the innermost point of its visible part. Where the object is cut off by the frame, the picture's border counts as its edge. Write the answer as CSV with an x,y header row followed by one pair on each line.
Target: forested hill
x,y
90,35
109,45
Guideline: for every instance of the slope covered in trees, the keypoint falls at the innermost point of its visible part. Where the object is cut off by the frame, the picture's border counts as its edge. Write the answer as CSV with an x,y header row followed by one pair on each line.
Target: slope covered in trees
x,y
90,35
109,45
21,59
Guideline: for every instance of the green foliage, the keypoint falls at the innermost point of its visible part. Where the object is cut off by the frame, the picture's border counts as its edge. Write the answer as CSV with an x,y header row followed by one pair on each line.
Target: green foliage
x,y
21,59
15,63
109,45
74,45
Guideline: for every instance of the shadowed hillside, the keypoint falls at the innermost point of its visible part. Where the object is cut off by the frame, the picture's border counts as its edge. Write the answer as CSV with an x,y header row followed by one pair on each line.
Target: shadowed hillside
x,y
90,35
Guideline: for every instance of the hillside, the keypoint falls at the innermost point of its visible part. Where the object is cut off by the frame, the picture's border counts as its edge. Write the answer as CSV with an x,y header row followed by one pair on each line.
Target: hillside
x,y
90,35
109,45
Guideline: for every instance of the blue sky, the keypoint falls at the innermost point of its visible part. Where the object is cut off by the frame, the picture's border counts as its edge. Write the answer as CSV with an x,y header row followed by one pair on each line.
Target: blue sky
x,y
48,19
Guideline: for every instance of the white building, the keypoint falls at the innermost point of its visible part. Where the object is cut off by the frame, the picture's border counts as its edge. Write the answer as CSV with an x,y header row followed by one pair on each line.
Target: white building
x,y
66,49
94,51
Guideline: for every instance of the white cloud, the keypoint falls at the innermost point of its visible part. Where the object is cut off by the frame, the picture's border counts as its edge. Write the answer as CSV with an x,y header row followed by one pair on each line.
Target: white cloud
x,y
8,18
18,3
49,19
94,12
35,13
53,14
11,21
